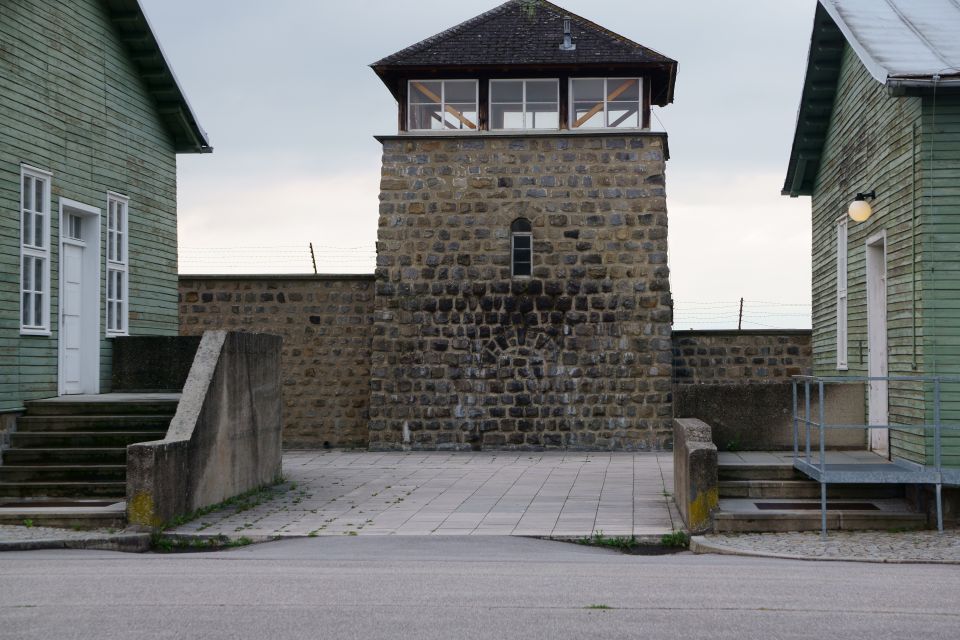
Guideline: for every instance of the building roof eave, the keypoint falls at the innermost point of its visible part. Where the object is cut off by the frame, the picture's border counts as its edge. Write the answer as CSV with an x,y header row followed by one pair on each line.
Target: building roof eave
x,y
137,34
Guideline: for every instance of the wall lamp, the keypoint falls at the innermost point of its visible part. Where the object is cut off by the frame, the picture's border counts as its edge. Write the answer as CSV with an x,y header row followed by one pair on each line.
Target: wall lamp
x,y
860,210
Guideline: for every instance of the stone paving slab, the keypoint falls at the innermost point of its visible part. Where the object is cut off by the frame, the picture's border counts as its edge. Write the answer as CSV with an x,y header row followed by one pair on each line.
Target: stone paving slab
x,y
550,494
925,547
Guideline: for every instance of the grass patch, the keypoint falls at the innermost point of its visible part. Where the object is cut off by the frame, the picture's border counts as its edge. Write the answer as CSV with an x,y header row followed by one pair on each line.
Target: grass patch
x,y
164,544
669,543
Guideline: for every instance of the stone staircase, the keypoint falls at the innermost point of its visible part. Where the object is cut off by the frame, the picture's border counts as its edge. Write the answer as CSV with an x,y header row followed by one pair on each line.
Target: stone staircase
x,y
66,465
775,497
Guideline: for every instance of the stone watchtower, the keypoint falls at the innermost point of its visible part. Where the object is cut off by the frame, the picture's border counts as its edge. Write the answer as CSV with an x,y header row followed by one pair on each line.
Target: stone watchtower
x,y
523,294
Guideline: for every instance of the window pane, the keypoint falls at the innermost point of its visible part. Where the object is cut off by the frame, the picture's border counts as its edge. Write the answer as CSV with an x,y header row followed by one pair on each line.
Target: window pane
x,y
588,90
521,242
425,92
542,91
37,309
460,91
110,294
582,110
630,93
39,203
543,116
623,114
425,116
506,116
506,91
120,278
27,192
26,307
521,268
26,268
28,228
466,112
38,274
38,239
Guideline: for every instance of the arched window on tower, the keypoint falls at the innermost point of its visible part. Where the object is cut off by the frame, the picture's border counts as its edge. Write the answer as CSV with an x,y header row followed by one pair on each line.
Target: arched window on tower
x,y
521,245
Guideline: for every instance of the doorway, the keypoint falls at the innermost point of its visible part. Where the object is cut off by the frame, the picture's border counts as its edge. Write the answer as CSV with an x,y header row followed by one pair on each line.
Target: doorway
x,y
79,317
877,349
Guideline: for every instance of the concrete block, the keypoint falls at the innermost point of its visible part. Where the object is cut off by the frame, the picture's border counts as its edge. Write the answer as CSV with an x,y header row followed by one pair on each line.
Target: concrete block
x,y
759,417
225,438
694,473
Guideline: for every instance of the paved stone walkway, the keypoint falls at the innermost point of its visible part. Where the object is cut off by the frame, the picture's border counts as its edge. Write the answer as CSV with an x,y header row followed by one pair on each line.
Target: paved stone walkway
x,y
485,493
857,546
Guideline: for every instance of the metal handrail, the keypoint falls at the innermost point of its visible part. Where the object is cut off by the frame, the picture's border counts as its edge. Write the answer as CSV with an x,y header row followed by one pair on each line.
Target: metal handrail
x,y
821,425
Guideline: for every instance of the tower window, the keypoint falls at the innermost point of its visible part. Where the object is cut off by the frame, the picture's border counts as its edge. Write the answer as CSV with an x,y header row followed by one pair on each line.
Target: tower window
x,y
605,103
521,245
524,104
442,105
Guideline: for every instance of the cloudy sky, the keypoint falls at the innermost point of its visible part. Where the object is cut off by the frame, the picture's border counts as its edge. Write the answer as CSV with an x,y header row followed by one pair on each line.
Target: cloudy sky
x,y
284,91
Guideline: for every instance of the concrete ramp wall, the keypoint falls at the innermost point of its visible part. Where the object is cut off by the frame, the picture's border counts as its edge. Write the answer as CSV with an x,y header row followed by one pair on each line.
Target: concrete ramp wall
x,y
225,438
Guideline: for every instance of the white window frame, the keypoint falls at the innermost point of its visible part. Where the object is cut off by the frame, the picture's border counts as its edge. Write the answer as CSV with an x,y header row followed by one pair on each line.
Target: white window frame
x,y
571,100
491,103
513,248
28,249
843,338
118,261
443,104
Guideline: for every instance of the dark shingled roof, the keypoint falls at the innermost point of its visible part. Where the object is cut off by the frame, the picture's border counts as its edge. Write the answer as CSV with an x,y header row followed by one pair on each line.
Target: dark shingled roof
x,y
527,32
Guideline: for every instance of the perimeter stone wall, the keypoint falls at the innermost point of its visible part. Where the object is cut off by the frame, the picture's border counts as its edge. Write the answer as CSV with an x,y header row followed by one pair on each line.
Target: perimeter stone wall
x,y
741,357
579,355
325,323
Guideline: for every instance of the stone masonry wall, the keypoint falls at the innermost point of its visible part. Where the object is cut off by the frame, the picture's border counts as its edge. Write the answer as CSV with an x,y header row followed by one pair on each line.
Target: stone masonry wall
x,y
326,324
579,354
740,357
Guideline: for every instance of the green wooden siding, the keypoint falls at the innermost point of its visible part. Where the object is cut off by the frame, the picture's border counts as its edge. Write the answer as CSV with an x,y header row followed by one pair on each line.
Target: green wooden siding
x,y
73,103
880,142
941,258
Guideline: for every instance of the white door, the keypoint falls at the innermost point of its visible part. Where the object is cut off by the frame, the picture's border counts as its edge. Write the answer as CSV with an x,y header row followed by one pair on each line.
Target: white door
x,y
71,317
877,352
79,317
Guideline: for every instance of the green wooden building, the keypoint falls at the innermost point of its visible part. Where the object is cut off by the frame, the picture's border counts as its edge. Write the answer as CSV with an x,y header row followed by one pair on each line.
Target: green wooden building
x,y
91,121
880,121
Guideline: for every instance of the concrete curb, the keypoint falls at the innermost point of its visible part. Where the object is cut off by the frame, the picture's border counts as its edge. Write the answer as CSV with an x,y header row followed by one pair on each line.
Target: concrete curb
x,y
701,546
124,542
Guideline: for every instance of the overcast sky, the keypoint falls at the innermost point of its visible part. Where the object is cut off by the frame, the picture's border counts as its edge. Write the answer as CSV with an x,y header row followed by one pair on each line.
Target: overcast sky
x,y
284,90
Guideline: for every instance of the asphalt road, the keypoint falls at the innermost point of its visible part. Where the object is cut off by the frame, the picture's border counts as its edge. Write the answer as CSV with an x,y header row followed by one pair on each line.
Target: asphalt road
x,y
451,588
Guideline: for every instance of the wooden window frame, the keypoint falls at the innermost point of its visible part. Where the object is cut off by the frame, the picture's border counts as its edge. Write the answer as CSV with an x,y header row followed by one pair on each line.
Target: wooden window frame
x,y
843,334
490,104
31,250
118,262
641,104
443,105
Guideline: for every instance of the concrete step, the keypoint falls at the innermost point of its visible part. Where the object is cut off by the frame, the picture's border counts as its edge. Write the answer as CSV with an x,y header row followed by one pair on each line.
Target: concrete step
x,y
805,489
63,489
758,472
66,513
133,406
64,473
60,456
740,516
82,439
42,424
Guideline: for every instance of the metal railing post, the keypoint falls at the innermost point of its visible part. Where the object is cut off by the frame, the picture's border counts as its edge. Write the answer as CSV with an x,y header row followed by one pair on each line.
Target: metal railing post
x,y
796,424
806,414
937,452
823,465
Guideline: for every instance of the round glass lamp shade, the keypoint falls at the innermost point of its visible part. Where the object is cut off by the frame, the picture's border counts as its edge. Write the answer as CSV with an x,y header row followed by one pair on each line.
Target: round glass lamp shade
x,y
860,210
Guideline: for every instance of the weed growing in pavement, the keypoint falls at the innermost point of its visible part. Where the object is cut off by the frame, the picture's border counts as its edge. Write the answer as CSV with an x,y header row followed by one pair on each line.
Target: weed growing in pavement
x,y
28,523
164,544
675,540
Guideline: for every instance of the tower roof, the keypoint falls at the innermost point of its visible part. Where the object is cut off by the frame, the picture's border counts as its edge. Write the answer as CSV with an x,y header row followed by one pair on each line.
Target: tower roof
x,y
527,33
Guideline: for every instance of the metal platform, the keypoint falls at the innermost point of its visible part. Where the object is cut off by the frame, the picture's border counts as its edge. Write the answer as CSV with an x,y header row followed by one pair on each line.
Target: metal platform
x,y
818,465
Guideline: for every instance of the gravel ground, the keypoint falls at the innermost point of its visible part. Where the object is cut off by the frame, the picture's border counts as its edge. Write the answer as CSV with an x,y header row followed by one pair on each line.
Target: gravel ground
x,y
863,546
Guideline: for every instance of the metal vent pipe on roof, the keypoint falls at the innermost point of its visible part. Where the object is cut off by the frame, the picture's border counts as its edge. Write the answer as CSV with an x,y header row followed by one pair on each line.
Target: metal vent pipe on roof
x,y
567,36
